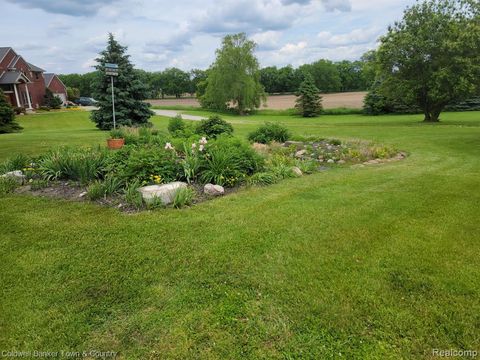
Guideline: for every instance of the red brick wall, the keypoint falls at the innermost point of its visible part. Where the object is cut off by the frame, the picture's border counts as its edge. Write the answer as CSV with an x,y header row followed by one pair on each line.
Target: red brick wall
x,y
7,60
36,88
57,86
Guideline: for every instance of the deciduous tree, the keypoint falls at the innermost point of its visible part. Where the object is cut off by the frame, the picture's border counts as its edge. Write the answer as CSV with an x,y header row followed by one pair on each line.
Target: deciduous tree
x,y
234,78
431,57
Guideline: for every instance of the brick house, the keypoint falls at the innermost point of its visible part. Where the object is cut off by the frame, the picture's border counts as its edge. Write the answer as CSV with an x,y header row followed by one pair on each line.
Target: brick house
x,y
24,84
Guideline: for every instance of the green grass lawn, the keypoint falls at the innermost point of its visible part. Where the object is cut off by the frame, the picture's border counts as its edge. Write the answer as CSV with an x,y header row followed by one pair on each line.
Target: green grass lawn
x,y
380,262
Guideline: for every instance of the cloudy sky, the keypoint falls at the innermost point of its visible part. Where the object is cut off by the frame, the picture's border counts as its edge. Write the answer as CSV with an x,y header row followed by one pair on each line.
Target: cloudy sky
x,y
64,36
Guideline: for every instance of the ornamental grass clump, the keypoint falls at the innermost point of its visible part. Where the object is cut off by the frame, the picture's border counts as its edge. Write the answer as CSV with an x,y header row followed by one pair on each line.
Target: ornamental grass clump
x,y
77,164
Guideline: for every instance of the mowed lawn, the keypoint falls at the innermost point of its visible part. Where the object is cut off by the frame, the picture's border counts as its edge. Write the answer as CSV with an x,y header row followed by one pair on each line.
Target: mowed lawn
x,y
381,262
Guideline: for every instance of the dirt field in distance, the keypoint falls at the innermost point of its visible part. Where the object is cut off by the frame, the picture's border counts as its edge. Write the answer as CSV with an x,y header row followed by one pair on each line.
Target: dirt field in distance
x,y
352,100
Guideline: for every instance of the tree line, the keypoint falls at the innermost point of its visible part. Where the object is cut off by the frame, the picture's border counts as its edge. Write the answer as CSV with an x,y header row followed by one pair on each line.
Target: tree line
x,y
327,75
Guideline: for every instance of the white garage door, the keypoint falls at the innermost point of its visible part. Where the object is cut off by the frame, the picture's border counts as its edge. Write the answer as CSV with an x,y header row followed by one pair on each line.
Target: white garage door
x,y
62,97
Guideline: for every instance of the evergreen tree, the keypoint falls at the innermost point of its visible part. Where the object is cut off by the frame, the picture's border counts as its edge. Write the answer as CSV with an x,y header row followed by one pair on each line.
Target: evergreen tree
x,y
7,116
51,101
309,101
129,90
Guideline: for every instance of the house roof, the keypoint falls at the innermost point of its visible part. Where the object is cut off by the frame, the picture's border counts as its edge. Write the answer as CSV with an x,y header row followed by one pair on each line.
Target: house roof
x,y
13,77
4,51
49,77
35,68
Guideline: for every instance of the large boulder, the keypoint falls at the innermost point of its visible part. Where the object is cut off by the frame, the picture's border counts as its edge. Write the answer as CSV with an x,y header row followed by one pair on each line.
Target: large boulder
x,y
213,190
166,193
17,175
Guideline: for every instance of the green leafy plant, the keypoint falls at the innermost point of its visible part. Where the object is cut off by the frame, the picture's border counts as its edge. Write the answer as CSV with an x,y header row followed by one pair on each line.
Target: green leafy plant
x,y
263,179
213,127
269,132
133,197
7,185
176,125
183,197
16,162
77,164
308,166
95,190
117,134
7,116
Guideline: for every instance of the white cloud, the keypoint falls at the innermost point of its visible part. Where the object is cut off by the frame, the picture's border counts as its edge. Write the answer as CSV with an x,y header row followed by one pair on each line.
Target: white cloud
x,y
293,48
267,40
356,36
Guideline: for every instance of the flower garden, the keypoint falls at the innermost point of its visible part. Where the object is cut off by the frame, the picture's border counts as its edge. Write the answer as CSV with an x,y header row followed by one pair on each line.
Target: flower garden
x,y
196,157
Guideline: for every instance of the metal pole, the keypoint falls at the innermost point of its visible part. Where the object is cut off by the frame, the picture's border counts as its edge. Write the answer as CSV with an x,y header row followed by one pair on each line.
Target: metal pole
x,y
113,105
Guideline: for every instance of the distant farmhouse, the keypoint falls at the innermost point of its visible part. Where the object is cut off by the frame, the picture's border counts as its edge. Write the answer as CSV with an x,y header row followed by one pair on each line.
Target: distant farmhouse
x,y
24,84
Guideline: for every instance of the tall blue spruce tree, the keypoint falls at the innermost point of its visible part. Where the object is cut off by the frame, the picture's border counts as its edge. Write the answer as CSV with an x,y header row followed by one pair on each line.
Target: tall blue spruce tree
x,y
130,110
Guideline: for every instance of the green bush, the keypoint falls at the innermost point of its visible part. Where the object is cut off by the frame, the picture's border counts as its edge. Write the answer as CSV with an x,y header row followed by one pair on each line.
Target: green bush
x,y
213,127
176,125
7,116
221,167
249,160
51,101
141,162
269,132
183,197
7,185
77,164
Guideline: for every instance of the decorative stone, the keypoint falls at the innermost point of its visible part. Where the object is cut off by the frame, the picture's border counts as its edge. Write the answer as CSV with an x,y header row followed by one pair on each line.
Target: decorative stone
x,y
300,153
166,193
213,190
17,175
82,194
331,161
341,161
296,170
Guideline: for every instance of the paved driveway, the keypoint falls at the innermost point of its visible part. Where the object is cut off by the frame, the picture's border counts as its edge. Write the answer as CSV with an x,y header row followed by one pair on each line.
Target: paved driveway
x,y
167,113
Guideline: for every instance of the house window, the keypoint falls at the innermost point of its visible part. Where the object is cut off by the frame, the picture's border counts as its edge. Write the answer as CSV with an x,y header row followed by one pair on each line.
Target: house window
x,y
36,76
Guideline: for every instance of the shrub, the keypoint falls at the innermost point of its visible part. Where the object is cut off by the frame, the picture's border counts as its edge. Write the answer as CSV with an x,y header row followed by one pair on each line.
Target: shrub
x,y
140,163
7,185
183,197
248,159
77,164
221,167
51,101
269,132
176,125
7,116
213,127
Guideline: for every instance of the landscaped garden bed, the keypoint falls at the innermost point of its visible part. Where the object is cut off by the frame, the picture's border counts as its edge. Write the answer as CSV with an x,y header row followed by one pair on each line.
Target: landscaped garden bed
x,y
186,166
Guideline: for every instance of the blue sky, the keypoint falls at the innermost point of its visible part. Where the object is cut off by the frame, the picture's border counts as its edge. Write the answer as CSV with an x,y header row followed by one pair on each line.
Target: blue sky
x,y
64,36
